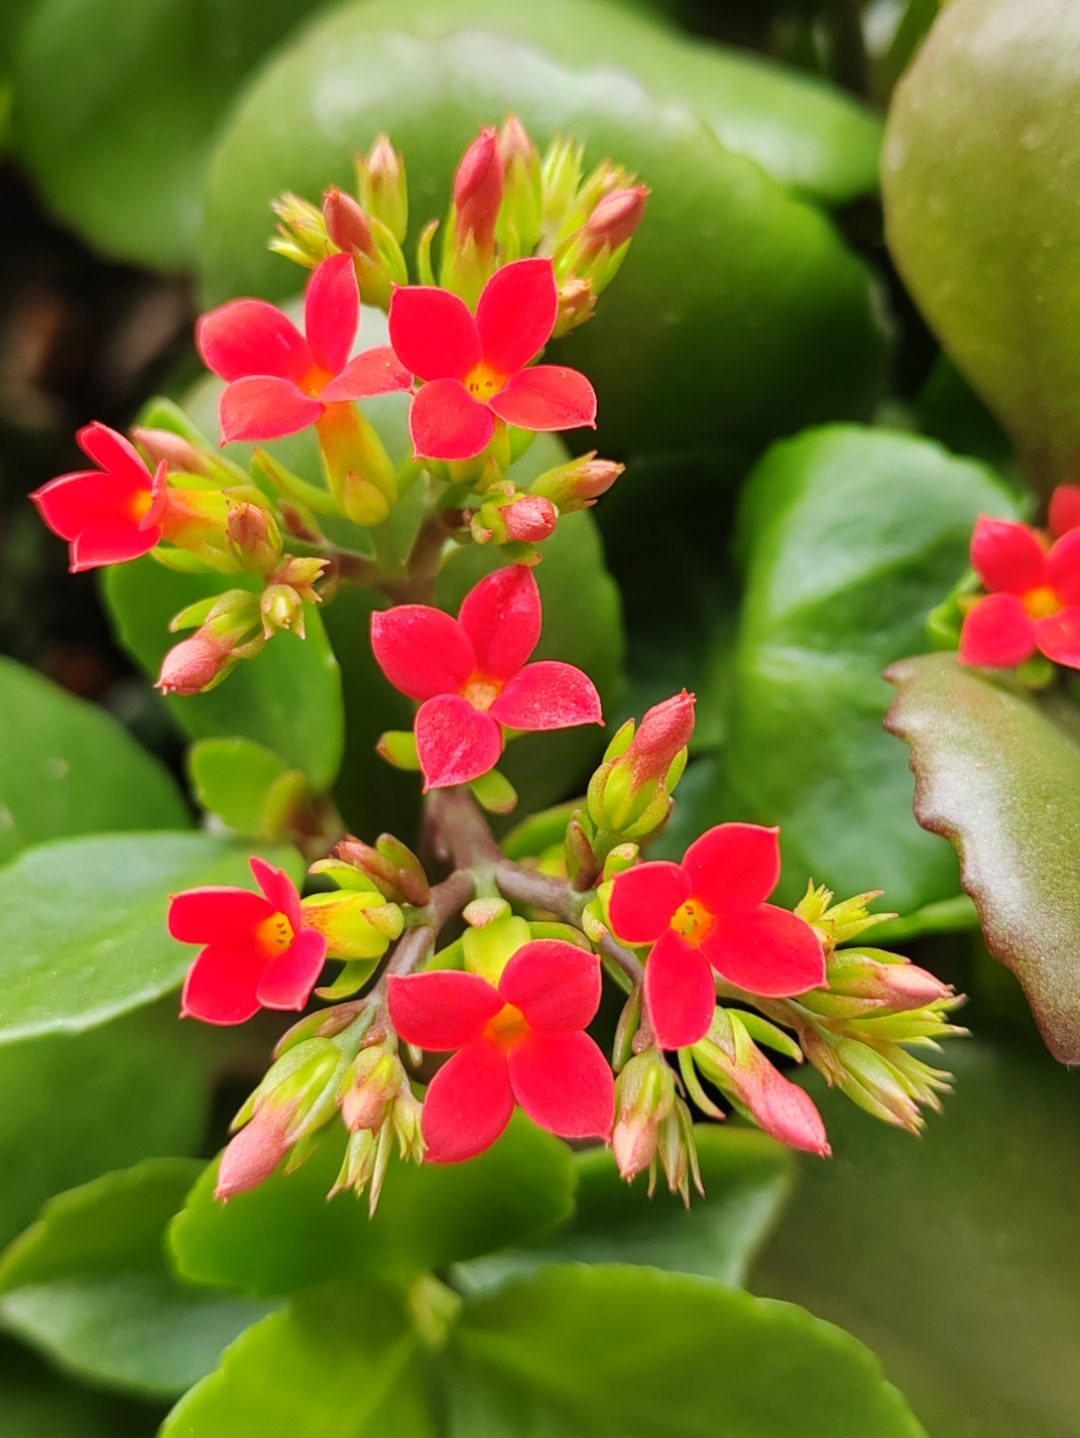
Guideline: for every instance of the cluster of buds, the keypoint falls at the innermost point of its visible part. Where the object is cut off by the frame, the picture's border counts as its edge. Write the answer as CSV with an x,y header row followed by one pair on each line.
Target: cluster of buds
x,y
654,1126
378,1108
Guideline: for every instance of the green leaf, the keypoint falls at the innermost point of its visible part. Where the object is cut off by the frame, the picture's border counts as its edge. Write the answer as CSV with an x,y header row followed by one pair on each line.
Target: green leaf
x,y
67,767
850,537
288,698
981,166
35,1402
744,313
747,1178
87,1285
998,773
956,1255
284,1235
239,781
83,933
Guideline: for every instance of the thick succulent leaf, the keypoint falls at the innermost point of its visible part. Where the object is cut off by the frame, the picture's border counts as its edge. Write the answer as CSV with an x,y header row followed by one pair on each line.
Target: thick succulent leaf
x,y
67,767
956,1255
36,1402
850,537
981,166
998,773
83,933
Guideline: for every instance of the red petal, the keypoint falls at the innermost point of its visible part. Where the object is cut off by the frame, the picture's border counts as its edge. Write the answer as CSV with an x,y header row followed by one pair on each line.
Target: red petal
x,y
445,1009
279,889
1059,636
74,502
249,337
445,422
198,916
644,899
290,976
433,333
680,992
564,1083
548,695
115,453
377,371
503,616
422,651
1065,508
547,397
456,743
262,407
332,313
556,985
1007,556
1063,567
997,633
469,1102
517,313
111,542
770,952
734,867
221,986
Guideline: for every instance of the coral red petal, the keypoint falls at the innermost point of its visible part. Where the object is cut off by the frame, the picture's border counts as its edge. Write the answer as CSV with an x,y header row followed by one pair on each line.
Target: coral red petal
x,y
1063,567
1065,509
279,889
377,371
332,312
290,976
114,452
564,1083
1059,636
645,898
734,867
770,952
247,337
517,313
555,984
456,743
1007,556
444,1009
73,502
433,333
997,633
421,650
503,616
547,397
548,695
782,1108
111,542
263,408
469,1102
199,916
680,992
221,986
445,422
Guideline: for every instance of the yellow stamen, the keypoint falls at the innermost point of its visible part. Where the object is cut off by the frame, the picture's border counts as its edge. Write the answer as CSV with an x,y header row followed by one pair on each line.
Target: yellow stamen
x,y
481,692
508,1027
1041,603
484,382
692,921
275,933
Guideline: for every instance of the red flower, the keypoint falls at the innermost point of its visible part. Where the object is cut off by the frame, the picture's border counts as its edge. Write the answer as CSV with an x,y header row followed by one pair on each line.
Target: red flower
x,y
521,1042
709,912
475,369
108,514
281,382
1034,601
1064,509
472,675
257,954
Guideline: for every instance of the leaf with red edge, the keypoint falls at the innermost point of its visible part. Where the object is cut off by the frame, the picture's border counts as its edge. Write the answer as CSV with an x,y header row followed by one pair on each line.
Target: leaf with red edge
x,y
998,773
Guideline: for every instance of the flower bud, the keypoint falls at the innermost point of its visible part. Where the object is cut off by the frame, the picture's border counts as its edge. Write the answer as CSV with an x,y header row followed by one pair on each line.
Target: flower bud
x,y
526,519
578,484
346,223
664,732
577,303
478,190
255,1152
523,192
383,190
391,867
644,1097
893,982
203,661
282,608
373,1083
406,1117
301,235
560,176
1064,509
677,1151
355,925
181,456
598,248
254,538
630,792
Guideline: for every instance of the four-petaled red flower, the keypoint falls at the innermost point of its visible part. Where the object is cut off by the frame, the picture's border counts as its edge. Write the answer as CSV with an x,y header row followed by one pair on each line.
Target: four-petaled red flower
x,y
521,1042
472,675
709,912
257,954
281,381
475,369
1034,601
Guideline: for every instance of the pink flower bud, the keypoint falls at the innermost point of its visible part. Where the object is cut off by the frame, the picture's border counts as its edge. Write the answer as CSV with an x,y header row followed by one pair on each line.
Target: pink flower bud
x,y
663,733
759,1090
578,484
255,1152
615,219
383,189
378,1076
478,190
346,223
1065,509
644,1097
178,453
530,519
254,537
195,664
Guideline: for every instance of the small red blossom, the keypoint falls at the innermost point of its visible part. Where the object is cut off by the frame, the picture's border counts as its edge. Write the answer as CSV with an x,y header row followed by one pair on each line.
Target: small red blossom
x,y
475,369
1034,599
472,676
1064,509
521,1042
709,912
257,953
281,381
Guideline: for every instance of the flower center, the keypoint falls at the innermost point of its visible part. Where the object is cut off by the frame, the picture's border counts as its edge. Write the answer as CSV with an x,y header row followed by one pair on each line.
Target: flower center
x,y
692,921
275,934
316,380
481,692
139,503
1041,603
484,381
508,1027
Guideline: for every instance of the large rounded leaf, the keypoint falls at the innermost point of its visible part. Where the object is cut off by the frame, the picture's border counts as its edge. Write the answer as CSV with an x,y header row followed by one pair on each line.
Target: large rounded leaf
x,y
981,172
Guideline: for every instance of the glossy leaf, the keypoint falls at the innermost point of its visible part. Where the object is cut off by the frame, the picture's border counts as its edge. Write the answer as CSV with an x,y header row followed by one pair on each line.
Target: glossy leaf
x,y
850,537
982,162
83,933
237,779
284,1235
998,773
67,767
36,1402
288,698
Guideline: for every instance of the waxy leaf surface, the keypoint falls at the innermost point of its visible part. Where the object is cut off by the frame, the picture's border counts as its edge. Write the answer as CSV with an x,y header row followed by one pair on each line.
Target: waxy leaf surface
x,y
36,1402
